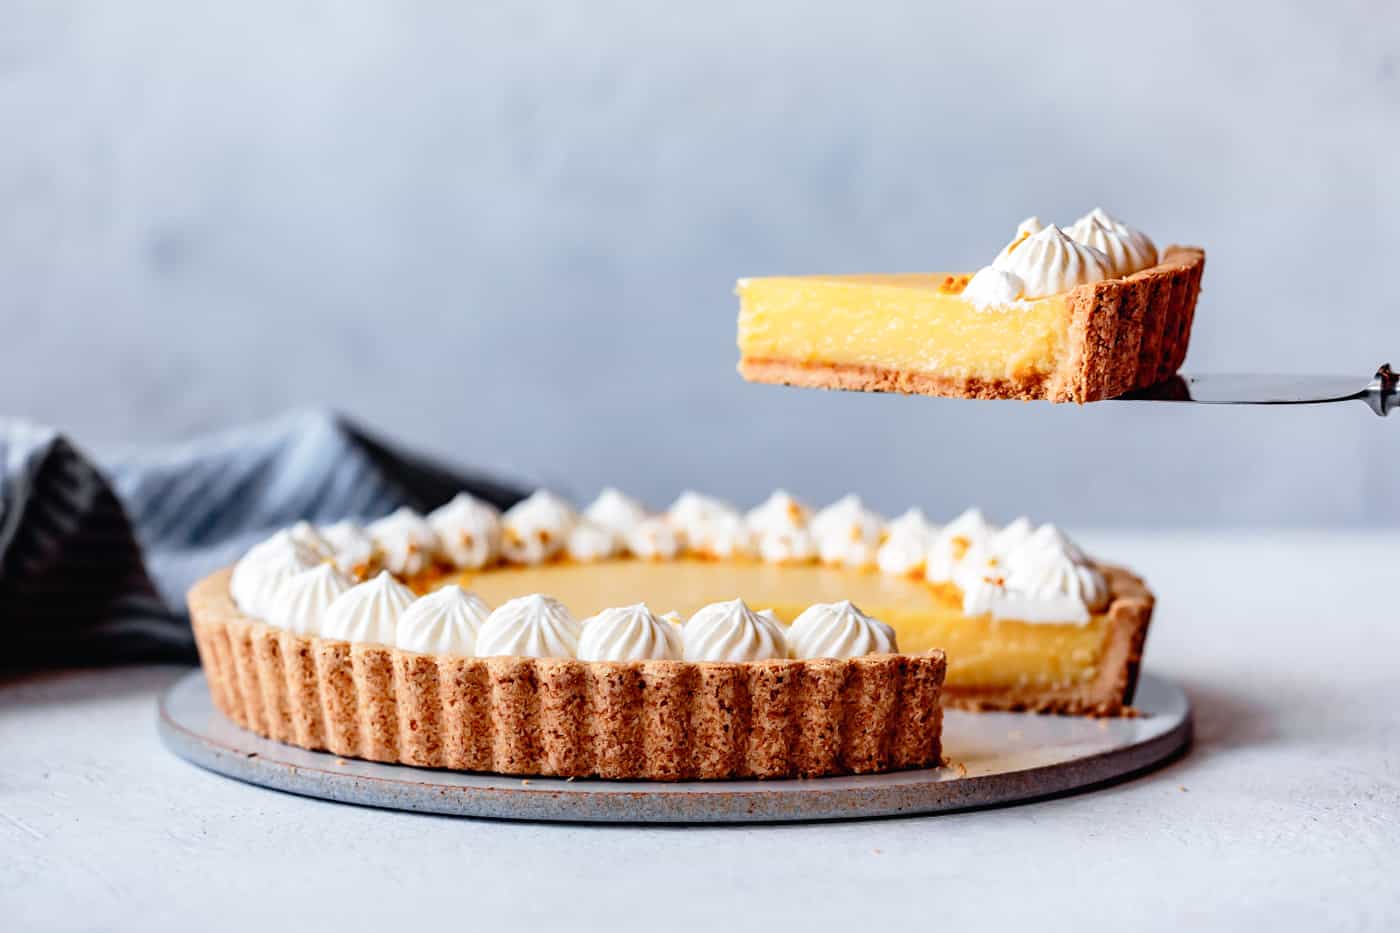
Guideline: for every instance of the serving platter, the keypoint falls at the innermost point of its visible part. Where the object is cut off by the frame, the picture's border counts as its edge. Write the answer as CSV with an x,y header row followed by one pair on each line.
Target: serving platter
x,y
993,759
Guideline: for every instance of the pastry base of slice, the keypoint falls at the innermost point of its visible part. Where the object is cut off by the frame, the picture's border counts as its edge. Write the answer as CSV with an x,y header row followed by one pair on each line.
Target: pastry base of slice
x,y
652,720
908,334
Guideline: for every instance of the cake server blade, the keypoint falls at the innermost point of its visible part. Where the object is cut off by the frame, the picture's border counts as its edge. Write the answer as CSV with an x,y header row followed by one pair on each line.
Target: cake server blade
x,y
1380,393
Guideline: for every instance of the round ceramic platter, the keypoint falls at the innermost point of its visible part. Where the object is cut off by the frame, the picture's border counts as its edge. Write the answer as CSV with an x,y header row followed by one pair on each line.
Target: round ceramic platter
x,y
993,759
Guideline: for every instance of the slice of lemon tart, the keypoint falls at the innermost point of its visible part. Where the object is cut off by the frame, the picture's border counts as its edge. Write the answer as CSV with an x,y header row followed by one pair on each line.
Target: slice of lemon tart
x,y
701,642
1076,315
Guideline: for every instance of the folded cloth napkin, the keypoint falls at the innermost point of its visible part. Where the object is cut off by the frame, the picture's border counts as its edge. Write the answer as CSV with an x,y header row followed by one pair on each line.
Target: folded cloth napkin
x,y
95,558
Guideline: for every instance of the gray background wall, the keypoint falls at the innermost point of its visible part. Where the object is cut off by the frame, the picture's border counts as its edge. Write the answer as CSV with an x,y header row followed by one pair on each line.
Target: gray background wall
x,y
508,233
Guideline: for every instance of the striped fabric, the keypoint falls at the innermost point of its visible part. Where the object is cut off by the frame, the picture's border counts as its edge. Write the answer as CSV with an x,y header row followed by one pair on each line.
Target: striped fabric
x,y
94,562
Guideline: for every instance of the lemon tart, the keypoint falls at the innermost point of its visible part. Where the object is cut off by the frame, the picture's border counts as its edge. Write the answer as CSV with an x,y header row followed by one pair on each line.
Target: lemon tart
x,y
1076,315
713,643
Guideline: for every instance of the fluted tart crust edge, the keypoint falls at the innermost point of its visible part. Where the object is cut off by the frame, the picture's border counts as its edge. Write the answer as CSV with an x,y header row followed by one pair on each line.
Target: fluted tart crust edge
x,y
652,720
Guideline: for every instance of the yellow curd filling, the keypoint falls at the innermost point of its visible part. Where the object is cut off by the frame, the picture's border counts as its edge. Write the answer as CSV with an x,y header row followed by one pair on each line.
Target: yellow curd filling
x,y
898,322
982,651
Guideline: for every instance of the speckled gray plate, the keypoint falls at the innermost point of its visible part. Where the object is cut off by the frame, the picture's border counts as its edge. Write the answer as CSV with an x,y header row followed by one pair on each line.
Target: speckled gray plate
x,y
994,758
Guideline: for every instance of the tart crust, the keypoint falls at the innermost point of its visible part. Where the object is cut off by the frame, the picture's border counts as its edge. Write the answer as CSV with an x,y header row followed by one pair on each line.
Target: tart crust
x,y
654,720
1110,692
1124,334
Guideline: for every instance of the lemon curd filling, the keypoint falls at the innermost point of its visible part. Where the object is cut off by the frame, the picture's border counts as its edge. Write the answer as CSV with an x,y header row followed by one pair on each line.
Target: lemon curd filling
x,y
982,651
915,323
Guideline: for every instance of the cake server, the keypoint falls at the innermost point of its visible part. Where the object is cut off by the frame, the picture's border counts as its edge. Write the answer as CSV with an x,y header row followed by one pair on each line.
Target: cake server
x,y
1382,393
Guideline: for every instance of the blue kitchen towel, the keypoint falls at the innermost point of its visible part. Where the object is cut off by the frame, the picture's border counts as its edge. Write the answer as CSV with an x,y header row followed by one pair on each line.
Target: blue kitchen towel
x,y
95,558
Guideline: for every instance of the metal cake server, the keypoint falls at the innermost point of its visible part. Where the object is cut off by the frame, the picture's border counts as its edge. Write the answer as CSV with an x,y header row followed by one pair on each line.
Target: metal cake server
x,y
1381,393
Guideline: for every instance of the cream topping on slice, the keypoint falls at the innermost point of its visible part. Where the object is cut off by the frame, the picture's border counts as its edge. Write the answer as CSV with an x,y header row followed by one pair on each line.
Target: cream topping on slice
x,y
1036,264
992,287
1009,537
1049,537
1050,263
1024,230
1128,250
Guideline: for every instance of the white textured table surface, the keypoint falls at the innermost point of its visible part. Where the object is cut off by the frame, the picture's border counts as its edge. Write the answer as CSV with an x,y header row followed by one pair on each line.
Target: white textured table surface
x,y
1286,814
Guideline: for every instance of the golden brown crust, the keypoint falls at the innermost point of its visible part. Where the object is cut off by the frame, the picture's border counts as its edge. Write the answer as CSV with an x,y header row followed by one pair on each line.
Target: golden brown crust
x,y
655,720
1124,334
1111,691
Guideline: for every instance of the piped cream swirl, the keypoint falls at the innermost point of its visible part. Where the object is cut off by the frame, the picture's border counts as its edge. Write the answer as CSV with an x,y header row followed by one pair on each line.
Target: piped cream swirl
x,y
616,512
656,539
408,542
469,531
1042,577
353,549
630,633
589,541
731,631
265,567
534,626
1127,250
721,537
536,529
839,630
1050,263
446,621
847,533
953,543
906,544
780,530
302,599
367,613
